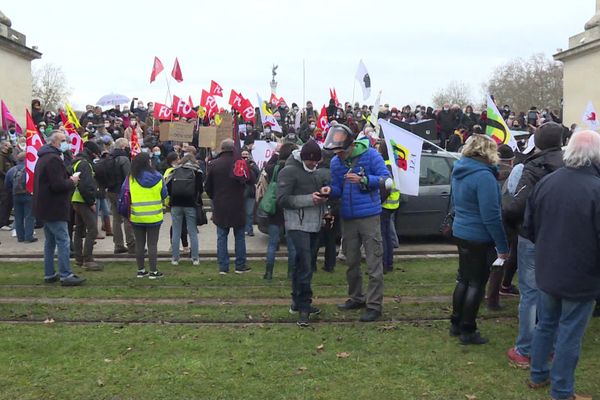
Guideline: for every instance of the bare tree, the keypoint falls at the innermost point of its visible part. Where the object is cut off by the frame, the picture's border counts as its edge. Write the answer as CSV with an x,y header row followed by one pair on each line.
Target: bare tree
x,y
50,86
455,93
537,81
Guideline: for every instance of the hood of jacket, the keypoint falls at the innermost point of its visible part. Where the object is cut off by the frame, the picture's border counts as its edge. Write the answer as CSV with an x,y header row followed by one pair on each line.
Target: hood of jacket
x,y
48,149
149,178
467,166
120,152
550,158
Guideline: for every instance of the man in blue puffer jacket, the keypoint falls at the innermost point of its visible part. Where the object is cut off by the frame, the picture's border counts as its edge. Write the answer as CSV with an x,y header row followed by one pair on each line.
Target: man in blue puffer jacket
x,y
356,171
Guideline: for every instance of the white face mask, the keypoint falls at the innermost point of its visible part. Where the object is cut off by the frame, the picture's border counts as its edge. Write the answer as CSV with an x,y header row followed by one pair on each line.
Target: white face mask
x,y
133,123
310,171
312,126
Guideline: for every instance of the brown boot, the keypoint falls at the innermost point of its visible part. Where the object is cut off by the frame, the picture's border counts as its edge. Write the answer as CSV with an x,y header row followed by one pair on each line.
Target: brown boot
x,y
493,290
106,226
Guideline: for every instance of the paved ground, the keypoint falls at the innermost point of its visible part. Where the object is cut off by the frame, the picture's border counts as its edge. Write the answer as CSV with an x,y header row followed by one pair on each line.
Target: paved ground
x,y
255,246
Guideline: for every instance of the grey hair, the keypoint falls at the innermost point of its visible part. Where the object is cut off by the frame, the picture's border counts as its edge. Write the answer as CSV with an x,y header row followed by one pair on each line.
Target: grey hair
x,y
583,150
53,138
121,143
227,145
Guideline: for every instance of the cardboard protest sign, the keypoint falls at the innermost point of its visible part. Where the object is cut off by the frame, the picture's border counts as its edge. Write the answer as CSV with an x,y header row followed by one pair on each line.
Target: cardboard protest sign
x,y
177,131
262,152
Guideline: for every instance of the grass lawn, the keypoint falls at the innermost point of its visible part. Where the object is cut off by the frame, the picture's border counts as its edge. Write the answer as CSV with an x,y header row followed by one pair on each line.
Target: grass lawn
x,y
146,354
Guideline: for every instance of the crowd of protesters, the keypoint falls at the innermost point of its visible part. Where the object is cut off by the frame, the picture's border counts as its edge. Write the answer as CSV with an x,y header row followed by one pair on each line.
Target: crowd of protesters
x,y
510,214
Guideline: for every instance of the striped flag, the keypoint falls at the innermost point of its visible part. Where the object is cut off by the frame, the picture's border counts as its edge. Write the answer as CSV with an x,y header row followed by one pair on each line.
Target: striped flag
x,y
496,127
34,142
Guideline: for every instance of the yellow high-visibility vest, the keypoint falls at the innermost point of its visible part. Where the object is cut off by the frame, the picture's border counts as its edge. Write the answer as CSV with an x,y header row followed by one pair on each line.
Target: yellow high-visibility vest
x,y
77,197
146,203
393,200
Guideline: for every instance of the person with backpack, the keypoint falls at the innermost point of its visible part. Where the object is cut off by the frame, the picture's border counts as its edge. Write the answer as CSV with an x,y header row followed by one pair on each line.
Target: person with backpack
x,y
226,191
113,170
16,183
142,195
84,206
184,185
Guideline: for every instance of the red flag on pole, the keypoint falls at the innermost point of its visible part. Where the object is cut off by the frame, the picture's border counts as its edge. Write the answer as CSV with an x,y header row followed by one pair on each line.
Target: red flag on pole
x,y
216,89
235,100
176,73
323,124
135,144
162,112
33,142
273,99
76,141
248,112
208,101
157,68
181,108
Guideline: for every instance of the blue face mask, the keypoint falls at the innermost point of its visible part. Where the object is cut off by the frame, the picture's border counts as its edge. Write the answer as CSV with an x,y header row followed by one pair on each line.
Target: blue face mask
x,y
64,147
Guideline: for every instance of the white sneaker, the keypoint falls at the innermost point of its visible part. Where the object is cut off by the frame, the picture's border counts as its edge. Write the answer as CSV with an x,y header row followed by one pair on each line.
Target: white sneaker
x,y
195,262
13,233
174,262
6,228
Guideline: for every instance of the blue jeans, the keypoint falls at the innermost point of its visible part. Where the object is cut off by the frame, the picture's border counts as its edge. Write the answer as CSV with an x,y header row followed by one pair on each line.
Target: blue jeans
x,y
305,244
177,215
386,236
529,295
566,321
57,236
249,206
24,219
102,208
240,248
274,231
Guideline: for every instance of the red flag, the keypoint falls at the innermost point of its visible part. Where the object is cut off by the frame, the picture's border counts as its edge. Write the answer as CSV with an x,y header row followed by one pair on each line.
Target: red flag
x,y
333,95
157,68
236,100
323,124
216,89
208,101
135,144
273,99
76,141
183,109
33,141
176,73
190,101
248,112
282,101
162,112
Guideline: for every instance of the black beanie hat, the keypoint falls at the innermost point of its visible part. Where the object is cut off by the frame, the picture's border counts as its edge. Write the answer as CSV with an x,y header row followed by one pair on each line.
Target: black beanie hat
x,y
505,152
92,147
548,135
310,151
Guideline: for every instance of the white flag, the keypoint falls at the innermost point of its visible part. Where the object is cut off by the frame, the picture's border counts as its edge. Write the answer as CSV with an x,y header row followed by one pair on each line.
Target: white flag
x,y
404,151
266,116
590,118
362,76
375,113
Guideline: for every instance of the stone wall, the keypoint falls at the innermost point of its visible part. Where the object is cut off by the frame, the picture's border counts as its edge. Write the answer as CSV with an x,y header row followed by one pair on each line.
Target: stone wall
x,y
15,84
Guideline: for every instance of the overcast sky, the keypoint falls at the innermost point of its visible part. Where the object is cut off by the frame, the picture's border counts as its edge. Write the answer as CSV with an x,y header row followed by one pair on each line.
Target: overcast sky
x,y
410,48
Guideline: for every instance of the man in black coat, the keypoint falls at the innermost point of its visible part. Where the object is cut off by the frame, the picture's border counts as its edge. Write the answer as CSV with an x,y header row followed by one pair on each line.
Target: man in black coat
x,y
52,188
227,195
563,220
546,159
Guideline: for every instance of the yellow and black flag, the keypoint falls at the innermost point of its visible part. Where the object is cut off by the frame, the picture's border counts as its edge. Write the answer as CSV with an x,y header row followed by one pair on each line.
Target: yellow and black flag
x,y
496,128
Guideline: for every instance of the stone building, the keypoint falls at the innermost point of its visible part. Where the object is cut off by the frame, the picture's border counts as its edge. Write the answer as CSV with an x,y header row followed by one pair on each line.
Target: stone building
x,y
581,77
15,69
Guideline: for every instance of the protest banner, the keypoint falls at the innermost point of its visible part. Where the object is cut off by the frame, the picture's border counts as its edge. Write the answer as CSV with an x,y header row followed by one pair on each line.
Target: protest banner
x,y
177,131
262,152
207,137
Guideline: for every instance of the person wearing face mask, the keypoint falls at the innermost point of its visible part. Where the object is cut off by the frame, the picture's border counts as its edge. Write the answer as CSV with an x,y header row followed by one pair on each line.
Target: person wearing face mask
x,y
155,157
52,187
469,119
84,206
303,194
307,131
356,172
141,112
6,201
133,124
309,113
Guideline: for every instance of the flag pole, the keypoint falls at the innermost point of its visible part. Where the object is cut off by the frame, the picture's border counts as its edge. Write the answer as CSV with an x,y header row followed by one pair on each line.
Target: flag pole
x,y
353,89
303,83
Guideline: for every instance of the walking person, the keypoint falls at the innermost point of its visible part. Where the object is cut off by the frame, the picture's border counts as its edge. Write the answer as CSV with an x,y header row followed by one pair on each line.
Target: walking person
x,y
227,195
356,171
250,194
16,183
6,204
52,187
121,227
563,220
302,195
147,194
477,229
185,188
389,206
84,206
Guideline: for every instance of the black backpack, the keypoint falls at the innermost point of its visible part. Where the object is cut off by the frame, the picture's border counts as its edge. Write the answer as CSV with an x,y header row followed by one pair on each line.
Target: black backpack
x,y
20,181
183,183
106,173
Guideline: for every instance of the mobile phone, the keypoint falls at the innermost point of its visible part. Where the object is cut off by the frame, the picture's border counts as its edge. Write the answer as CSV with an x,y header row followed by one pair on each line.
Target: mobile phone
x,y
323,195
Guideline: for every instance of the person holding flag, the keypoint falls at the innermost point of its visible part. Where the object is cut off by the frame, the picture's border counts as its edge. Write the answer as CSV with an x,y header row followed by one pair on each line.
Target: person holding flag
x,y
52,189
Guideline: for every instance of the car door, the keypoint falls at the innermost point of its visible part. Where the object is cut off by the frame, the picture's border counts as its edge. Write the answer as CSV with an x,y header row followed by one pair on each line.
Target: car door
x,y
422,215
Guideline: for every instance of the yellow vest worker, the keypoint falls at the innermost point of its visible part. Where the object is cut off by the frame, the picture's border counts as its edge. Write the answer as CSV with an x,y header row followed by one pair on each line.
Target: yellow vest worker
x,y
146,203
393,200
